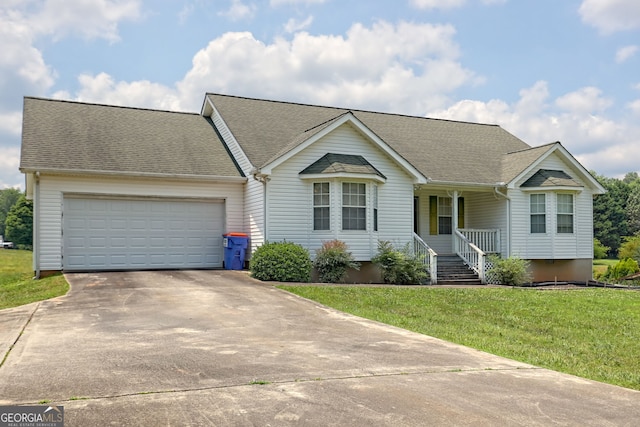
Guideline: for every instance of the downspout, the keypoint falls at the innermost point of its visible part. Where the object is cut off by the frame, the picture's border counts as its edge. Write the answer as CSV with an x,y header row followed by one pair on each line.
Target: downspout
x,y
263,178
36,225
495,189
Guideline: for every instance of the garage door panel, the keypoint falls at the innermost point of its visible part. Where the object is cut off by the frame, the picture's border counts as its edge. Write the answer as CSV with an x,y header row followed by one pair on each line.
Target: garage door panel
x,y
104,234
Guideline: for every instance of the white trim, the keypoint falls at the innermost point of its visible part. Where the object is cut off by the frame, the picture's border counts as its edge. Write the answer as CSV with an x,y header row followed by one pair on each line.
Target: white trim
x,y
120,174
418,178
342,176
557,147
563,189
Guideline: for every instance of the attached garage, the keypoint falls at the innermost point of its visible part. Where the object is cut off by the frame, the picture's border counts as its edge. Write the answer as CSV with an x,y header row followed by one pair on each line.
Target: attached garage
x,y
103,233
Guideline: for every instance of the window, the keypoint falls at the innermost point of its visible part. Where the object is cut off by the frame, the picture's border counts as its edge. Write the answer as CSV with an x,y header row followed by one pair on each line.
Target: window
x,y
445,212
375,208
354,202
565,213
537,209
321,206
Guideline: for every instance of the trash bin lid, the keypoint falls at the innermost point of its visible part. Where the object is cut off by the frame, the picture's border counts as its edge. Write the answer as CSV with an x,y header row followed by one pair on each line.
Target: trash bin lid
x,y
236,234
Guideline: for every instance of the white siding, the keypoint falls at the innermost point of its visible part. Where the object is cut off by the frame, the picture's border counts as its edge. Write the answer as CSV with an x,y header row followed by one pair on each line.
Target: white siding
x,y
289,198
254,220
552,245
52,189
487,211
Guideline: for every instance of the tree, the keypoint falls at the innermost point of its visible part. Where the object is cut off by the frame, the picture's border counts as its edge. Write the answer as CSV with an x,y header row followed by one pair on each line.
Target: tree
x,y
8,198
19,223
599,250
609,214
633,210
630,248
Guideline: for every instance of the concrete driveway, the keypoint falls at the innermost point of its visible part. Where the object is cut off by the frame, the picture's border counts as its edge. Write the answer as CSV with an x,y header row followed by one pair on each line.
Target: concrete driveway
x,y
218,348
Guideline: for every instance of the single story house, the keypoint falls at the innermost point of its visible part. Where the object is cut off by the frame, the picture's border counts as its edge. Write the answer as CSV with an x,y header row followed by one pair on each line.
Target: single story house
x,y
118,188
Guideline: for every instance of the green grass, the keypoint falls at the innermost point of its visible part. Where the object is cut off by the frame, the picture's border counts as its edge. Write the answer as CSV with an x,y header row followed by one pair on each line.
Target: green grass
x,y
591,333
16,284
600,266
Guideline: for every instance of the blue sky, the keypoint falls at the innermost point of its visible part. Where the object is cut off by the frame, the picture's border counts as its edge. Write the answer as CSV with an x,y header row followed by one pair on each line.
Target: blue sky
x,y
545,70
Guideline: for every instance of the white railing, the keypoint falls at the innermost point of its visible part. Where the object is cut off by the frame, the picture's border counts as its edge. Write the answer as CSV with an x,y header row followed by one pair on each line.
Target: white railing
x,y
471,254
487,240
429,257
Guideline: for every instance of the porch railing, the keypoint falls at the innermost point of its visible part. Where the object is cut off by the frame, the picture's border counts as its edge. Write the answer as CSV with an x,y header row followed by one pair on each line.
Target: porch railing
x,y
429,257
471,254
487,240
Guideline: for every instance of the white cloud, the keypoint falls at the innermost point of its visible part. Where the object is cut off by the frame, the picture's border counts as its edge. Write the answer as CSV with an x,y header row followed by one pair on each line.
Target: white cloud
x,y
634,107
625,53
9,163
11,123
238,10
610,16
584,101
580,124
293,25
87,18
405,67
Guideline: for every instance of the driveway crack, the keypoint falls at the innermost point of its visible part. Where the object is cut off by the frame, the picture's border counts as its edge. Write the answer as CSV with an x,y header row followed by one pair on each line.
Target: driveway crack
x,y
6,356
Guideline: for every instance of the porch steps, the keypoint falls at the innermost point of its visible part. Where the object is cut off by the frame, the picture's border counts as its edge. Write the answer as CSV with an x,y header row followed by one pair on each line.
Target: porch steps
x,y
453,271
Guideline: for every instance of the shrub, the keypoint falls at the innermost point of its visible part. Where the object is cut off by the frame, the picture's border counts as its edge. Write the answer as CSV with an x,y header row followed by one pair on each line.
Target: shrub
x,y
630,248
599,250
512,271
333,260
400,267
281,262
622,268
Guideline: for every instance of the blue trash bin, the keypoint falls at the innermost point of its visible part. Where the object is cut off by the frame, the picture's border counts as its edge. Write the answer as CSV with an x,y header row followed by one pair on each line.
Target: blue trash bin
x,y
235,247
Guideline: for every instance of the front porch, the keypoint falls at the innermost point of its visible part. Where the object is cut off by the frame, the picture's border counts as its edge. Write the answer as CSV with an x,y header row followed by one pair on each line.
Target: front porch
x,y
440,234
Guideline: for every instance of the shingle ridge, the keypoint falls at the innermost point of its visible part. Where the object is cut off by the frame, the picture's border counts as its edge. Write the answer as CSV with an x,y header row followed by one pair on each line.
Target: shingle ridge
x,y
352,110
533,148
67,101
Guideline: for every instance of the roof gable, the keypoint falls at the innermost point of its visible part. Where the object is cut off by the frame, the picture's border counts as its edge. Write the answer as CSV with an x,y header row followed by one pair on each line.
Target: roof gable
x,y
547,178
539,154
64,136
332,164
442,150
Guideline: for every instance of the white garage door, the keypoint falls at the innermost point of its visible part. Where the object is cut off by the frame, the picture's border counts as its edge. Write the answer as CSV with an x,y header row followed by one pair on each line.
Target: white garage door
x,y
131,234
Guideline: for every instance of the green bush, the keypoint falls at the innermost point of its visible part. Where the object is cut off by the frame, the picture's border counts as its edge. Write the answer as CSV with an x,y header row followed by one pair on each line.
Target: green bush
x,y
630,248
281,262
400,267
333,260
622,268
599,250
513,271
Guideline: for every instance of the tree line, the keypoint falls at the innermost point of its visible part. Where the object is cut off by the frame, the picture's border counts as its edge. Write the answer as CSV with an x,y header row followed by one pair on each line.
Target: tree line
x,y
16,218
616,217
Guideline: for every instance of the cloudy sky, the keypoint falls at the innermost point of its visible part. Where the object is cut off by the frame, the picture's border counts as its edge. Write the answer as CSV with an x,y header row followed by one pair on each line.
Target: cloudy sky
x,y
545,70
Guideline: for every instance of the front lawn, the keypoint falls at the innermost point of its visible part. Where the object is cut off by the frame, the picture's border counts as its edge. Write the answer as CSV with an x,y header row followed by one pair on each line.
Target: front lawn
x,y
600,265
591,333
16,284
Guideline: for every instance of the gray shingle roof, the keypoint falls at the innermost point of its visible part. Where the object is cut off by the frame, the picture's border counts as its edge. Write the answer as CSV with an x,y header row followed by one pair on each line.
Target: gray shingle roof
x,y
442,150
73,136
514,163
341,163
551,178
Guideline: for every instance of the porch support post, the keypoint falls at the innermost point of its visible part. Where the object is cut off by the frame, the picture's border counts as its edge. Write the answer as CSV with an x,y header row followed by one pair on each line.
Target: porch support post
x,y
454,219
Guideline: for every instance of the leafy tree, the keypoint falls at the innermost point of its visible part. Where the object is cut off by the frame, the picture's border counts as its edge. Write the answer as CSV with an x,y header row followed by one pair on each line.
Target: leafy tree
x,y
609,213
19,223
8,198
630,248
633,209
599,250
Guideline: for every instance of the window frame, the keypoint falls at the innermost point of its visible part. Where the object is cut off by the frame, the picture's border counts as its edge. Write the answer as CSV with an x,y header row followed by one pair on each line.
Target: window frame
x,y
565,227
349,208
443,227
538,213
321,207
